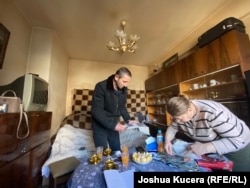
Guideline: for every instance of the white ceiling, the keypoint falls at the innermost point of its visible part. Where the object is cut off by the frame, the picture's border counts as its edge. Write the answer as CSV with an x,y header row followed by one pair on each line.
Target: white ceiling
x,y
85,26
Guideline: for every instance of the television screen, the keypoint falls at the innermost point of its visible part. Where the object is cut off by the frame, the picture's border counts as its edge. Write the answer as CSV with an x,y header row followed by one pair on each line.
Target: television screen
x,y
35,94
32,90
40,93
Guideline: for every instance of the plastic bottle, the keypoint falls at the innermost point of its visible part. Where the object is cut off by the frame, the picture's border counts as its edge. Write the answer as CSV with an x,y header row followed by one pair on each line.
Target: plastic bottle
x,y
160,141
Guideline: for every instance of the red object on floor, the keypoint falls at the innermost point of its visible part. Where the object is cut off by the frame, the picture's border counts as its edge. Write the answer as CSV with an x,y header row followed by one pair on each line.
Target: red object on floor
x,y
213,163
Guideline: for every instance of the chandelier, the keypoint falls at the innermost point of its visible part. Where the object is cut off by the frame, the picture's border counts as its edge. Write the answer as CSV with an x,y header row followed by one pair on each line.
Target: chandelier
x,y
124,44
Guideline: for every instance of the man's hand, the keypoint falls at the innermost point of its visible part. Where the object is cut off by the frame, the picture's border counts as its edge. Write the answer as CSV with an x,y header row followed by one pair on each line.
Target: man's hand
x,y
120,127
131,122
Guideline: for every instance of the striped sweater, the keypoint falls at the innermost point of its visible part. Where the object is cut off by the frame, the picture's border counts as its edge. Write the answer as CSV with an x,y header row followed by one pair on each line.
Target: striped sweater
x,y
216,124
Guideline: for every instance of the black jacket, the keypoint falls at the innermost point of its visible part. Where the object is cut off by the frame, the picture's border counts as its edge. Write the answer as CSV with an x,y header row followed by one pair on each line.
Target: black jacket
x,y
108,104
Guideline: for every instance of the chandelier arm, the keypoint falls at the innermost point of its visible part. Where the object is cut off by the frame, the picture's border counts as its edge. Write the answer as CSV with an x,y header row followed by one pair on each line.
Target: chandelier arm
x,y
114,49
120,40
131,50
132,44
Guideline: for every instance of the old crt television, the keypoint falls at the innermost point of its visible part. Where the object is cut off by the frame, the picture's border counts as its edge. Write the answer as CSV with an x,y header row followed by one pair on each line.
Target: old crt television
x,y
32,89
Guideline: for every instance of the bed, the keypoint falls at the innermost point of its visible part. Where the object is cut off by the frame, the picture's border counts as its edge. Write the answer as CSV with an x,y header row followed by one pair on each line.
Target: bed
x,y
74,136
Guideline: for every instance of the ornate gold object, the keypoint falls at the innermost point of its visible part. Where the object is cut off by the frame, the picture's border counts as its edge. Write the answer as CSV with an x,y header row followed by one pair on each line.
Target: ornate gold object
x,y
94,159
107,152
109,164
124,44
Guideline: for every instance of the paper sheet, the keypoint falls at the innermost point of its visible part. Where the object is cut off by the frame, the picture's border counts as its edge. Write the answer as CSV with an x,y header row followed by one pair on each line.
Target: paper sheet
x,y
115,179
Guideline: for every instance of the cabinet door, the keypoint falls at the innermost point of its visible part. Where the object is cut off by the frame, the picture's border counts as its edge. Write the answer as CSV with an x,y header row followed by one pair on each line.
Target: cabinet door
x,y
223,52
186,68
204,60
170,76
149,85
17,170
159,80
226,50
220,54
8,128
16,173
155,82
237,44
230,46
37,159
40,124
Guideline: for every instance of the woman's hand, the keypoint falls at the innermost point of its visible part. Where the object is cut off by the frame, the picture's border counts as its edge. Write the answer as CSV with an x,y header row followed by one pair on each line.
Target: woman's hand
x,y
202,148
168,147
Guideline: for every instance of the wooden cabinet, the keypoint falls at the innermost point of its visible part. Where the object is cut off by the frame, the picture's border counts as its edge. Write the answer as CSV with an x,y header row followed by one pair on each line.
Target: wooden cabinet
x,y
149,85
204,61
224,60
164,78
230,49
38,157
156,104
21,159
224,84
16,173
170,76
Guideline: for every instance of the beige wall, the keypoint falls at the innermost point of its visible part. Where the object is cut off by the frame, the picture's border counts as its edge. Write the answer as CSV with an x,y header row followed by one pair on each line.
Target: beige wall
x,y
48,59
39,58
85,74
58,77
15,61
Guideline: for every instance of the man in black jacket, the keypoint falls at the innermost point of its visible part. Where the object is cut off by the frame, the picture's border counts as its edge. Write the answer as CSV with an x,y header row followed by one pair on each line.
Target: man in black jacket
x,y
108,105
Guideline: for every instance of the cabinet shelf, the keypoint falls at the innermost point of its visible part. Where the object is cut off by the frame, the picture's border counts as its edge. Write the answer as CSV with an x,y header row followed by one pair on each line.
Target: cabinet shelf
x,y
232,99
229,83
157,114
156,123
215,86
156,103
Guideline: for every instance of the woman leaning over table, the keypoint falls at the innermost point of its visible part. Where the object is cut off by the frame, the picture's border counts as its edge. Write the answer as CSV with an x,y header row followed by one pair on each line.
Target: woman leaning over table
x,y
213,127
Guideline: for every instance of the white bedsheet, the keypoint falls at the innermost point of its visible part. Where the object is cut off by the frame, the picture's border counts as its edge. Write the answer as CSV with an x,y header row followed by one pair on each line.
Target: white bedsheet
x,y
67,143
